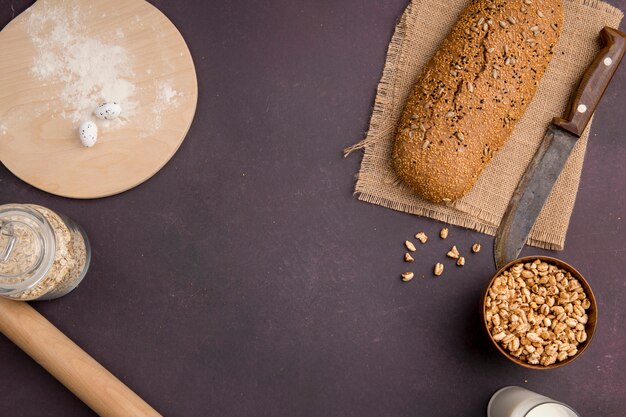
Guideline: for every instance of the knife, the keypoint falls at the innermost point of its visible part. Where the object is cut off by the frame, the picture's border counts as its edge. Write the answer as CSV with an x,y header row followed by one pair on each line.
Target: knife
x,y
561,136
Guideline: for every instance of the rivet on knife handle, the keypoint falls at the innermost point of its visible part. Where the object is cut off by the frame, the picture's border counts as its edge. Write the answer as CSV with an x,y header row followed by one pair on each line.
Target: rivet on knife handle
x,y
594,82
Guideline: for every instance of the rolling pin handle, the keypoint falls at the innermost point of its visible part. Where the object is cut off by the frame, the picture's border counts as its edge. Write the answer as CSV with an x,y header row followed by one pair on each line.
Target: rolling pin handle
x,y
68,363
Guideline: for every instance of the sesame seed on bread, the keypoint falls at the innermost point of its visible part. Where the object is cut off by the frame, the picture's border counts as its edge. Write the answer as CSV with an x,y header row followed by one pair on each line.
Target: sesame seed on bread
x,y
469,97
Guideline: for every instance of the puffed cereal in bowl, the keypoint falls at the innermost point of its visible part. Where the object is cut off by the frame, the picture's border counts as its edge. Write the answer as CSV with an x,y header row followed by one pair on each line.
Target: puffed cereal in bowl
x,y
539,312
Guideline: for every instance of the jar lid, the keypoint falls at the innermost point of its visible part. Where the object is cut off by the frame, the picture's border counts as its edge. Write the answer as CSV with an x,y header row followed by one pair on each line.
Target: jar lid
x,y
27,248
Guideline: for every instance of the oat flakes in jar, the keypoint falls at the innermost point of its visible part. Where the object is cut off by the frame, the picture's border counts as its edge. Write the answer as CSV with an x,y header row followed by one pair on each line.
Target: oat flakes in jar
x,y
43,254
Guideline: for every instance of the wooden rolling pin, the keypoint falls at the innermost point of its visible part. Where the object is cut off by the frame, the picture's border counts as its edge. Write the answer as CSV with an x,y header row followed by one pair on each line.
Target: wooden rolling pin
x,y
72,366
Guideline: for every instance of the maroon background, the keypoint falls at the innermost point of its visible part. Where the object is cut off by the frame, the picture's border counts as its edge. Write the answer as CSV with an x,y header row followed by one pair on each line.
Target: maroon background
x,y
245,279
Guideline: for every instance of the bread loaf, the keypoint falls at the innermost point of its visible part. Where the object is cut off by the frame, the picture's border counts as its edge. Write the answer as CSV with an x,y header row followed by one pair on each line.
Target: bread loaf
x,y
469,97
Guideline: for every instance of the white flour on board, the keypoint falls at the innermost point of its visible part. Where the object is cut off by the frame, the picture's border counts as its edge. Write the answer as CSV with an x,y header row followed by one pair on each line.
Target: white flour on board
x,y
92,70
167,93
166,97
89,70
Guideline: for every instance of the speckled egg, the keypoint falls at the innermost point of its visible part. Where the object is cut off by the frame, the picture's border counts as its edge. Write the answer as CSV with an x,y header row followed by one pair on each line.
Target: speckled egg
x,y
88,132
108,111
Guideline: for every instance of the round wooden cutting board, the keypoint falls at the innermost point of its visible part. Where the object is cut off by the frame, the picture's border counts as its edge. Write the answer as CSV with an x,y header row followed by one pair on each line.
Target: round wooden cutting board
x,y
62,58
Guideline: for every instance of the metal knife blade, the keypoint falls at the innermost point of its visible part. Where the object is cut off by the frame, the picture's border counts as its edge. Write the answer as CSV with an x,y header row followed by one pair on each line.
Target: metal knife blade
x,y
544,169
531,193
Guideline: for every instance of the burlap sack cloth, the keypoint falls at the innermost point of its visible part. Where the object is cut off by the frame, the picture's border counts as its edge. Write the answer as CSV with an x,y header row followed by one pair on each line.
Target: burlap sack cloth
x,y
422,28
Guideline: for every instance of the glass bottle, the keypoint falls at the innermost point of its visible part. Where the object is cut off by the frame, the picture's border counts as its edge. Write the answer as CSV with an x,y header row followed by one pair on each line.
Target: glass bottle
x,y
43,254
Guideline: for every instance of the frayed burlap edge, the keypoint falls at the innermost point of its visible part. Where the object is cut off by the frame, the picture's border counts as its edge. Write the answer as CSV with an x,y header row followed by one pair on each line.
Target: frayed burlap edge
x,y
463,215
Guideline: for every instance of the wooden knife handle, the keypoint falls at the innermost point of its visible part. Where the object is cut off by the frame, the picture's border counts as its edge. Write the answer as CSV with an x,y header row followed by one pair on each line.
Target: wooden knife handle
x,y
594,82
79,372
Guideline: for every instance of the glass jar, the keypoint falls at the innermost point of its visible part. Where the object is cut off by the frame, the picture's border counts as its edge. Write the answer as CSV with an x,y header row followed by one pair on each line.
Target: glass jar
x,y
43,254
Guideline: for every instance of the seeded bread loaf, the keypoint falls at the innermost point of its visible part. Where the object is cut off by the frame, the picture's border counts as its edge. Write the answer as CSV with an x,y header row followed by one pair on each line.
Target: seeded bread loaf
x,y
469,97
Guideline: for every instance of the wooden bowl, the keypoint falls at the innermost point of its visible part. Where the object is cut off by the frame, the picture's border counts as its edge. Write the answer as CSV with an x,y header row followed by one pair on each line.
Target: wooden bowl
x,y
592,312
